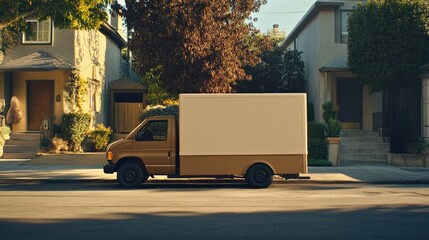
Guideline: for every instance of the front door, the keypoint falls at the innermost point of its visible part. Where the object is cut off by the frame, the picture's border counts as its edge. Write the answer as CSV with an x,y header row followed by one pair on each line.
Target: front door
x,y
40,101
349,99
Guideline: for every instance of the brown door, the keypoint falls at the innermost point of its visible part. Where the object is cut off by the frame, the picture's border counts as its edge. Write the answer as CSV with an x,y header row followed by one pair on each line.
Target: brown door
x,y
349,98
40,101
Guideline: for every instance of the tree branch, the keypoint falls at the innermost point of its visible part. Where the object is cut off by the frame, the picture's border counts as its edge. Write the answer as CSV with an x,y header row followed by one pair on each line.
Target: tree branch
x,y
24,15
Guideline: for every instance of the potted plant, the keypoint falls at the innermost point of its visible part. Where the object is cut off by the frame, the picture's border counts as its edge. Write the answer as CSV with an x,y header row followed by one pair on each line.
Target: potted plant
x,y
333,130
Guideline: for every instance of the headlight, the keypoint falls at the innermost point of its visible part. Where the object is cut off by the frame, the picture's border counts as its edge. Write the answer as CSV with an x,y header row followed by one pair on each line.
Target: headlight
x,y
109,155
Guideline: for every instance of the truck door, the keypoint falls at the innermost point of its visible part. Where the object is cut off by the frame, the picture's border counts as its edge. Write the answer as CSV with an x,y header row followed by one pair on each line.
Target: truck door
x,y
154,146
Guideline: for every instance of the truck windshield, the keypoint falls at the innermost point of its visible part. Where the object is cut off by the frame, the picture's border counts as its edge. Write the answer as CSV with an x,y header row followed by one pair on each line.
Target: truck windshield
x,y
153,131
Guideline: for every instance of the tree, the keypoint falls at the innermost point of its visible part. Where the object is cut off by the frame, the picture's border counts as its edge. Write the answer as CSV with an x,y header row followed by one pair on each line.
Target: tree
x,y
14,115
74,14
279,71
387,55
201,44
156,93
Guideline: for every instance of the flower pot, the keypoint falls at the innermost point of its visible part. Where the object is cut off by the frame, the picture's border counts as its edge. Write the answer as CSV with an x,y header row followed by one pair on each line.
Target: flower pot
x,y
333,150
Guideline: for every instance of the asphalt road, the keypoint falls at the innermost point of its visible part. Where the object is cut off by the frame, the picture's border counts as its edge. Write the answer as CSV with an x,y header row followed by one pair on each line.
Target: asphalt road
x,y
87,210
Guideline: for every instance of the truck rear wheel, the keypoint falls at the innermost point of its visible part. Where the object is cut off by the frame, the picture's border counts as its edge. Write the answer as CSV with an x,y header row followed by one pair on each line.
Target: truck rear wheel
x,y
131,175
259,176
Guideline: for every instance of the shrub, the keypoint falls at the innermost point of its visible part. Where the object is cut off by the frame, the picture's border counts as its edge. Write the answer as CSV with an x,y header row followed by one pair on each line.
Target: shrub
x,y
160,111
317,148
58,144
74,128
333,128
315,130
319,162
310,111
4,132
100,136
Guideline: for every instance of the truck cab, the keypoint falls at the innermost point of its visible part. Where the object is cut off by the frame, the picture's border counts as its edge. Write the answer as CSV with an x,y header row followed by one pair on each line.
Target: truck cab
x,y
149,149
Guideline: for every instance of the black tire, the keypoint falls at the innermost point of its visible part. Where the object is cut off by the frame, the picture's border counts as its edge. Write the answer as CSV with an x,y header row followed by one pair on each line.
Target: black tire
x,y
259,176
131,175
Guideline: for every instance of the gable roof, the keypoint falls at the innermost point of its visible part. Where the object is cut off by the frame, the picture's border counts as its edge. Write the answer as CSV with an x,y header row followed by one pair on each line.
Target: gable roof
x,y
37,61
311,13
126,83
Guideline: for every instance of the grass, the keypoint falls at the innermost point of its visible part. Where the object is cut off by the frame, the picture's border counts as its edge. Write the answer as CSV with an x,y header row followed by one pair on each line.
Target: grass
x,y
319,163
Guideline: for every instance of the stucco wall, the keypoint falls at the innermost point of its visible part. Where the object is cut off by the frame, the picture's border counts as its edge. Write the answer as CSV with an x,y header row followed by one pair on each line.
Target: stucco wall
x,y
20,91
62,46
98,57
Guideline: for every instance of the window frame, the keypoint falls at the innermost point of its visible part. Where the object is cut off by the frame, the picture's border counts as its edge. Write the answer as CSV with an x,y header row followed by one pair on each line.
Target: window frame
x,y
37,42
343,39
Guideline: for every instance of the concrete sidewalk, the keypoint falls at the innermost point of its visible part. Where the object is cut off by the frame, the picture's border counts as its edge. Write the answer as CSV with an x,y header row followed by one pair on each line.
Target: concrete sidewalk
x,y
88,167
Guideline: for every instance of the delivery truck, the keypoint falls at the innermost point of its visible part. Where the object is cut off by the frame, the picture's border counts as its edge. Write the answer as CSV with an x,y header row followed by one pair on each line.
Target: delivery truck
x,y
250,136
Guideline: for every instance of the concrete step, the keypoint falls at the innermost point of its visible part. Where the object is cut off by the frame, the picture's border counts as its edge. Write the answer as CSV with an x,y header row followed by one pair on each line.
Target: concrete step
x,y
25,136
22,142
25,155
363,151
363,156
359,134
20,148
373,146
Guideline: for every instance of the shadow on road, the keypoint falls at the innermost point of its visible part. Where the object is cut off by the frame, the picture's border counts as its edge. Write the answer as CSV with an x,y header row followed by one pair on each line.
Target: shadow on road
x,y
393,222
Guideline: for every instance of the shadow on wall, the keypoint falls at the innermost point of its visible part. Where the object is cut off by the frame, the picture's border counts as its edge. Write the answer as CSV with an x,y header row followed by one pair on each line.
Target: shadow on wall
x,y
408,222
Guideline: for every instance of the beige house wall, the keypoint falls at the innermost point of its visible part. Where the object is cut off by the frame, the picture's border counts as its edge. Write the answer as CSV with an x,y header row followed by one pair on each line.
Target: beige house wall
x,y
20,91
62,46
94,51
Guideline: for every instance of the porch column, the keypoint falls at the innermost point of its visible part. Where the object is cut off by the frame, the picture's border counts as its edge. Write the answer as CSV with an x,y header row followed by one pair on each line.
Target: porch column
x,y
425,108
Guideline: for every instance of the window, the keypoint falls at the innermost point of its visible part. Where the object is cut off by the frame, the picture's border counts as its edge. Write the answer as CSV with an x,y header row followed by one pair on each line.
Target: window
x,y
93,89
40,32
344,26
153,131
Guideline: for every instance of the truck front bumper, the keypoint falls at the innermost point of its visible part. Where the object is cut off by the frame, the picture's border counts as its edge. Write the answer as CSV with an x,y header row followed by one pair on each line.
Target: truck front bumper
x,y
109,168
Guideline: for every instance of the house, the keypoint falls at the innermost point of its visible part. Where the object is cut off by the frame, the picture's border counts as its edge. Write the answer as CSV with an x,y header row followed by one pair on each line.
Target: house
x,y
322,37
38,69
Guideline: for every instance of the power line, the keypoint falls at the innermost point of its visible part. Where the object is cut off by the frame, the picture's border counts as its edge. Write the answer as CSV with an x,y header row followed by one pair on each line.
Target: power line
x,y
281,12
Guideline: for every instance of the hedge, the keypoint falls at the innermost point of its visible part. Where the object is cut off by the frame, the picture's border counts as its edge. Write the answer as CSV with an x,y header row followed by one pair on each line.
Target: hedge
x,y
74,129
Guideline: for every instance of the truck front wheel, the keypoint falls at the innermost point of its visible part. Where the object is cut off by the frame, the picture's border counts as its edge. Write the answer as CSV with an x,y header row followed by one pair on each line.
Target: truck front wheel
x,y
131,175
259,176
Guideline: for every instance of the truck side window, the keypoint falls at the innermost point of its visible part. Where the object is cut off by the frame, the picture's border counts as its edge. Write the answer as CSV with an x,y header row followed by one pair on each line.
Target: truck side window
x,y
153,131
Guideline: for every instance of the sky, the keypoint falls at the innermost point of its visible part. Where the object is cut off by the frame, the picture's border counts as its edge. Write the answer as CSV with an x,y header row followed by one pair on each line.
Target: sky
x,y
286,13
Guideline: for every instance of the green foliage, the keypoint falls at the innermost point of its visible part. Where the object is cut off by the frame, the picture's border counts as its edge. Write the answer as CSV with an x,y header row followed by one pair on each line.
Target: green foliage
x,y
203,45
161,111
78,91
157,92
329,111
310,111
45,143
388,42
74,128
333,128
279,72
417,147
319,162
317,148
4,132
100,136
74,14
315,130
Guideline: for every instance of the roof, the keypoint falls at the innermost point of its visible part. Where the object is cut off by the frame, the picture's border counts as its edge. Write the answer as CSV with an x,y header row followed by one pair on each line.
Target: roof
x,y
125,84
339,64
311,13
109,31
38,61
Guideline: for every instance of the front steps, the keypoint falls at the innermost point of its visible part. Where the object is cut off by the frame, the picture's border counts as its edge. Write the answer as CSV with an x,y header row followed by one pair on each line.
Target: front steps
x,y
362,146
21,146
